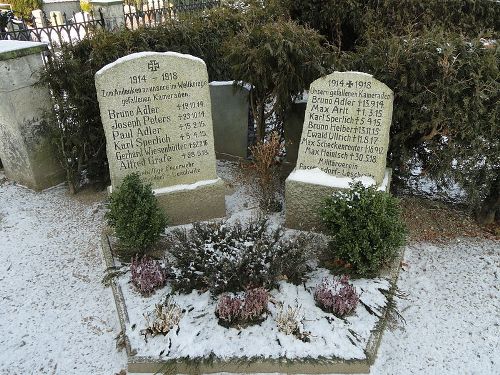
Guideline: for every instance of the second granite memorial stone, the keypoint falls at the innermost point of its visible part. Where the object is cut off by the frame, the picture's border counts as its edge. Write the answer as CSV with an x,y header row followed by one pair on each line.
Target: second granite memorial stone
x,y
156,113
345,137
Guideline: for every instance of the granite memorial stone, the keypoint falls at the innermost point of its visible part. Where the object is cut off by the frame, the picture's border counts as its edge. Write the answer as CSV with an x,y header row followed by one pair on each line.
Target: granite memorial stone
x,y
156,113
345,136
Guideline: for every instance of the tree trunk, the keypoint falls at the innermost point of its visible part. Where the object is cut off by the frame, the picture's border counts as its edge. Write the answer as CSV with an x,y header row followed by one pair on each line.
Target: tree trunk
x,y
490,209
260,121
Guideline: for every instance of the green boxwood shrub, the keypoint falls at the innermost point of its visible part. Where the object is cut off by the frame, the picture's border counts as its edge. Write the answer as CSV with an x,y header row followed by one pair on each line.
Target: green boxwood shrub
x,y
135,216
365,229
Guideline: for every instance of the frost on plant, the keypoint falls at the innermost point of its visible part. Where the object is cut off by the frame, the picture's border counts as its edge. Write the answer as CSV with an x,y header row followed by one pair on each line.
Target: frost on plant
x,y
243,308
289,321
163,319
147,274
232,258
336,295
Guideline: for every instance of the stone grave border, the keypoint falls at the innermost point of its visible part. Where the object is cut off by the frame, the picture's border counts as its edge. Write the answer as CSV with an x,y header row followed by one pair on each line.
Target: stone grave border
x,y
145,364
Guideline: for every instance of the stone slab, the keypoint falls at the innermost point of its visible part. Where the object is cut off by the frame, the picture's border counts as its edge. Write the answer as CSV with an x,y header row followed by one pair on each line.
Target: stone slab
x,y
156,113
346,126
195,202
293,130
230,115
26,151
303,202
12,49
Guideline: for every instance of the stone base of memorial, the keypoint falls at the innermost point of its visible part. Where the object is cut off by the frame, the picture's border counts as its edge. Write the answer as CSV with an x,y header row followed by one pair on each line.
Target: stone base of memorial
x,y
306,191
200,201
203,200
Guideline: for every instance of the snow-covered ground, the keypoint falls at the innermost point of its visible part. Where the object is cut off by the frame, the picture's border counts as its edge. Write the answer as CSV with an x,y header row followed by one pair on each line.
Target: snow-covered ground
x,y
57,318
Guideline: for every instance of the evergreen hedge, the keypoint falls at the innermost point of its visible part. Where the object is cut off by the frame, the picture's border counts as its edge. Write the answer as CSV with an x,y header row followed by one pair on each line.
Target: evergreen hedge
x,y
446,112
446,83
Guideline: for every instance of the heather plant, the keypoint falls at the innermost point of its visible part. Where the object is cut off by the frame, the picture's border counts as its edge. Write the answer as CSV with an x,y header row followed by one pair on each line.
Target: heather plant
x,y
337,296
244,308
135,216
147,274
266,164
222,257
289,321
163,319
365,229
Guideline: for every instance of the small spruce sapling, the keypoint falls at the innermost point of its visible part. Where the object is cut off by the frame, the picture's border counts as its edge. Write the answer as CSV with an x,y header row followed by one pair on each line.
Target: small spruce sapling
x,y
135,216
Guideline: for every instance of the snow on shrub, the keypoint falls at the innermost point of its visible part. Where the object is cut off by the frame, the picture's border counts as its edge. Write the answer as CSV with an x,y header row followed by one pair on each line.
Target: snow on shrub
x,y
365,229
336,295
289,321
232,258
243,308
147,274
163,319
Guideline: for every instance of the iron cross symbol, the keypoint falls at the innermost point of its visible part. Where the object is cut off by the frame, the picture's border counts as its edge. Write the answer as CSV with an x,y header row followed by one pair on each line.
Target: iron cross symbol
x,y
153,65
349,84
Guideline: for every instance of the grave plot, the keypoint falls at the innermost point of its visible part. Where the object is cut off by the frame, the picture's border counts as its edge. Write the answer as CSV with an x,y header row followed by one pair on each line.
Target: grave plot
x,y
242,294
291,334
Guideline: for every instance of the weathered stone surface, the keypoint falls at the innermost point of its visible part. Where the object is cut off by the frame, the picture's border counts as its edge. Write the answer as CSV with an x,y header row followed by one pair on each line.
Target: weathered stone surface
x,y
64,6
230,118
346,126
203,202
293,130
112,11
27,154
346,135
11,49
156,112
304,201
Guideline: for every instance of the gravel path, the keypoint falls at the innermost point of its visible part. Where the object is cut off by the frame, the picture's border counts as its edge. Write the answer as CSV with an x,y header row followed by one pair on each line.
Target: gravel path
x,y
57,318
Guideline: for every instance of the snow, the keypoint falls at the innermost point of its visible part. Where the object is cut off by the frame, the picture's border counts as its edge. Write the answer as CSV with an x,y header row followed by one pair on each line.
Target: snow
x,y
57,318
318,177
241,84
55,315
200,335
137,55
221,83
14,45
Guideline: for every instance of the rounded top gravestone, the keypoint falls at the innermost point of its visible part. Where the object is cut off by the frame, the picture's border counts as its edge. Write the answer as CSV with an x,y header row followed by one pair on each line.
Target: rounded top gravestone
x,y
346,126
156,113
